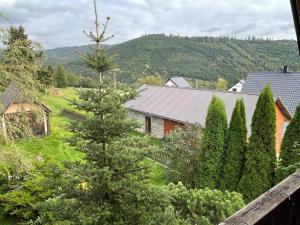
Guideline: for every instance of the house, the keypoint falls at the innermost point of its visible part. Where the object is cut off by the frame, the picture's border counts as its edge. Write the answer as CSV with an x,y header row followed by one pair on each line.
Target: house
x,y
178,82
13,102
284,84
160,109
238,87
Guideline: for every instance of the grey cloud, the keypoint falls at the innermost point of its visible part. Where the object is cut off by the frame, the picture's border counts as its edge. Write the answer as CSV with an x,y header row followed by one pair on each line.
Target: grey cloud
x,y
60,22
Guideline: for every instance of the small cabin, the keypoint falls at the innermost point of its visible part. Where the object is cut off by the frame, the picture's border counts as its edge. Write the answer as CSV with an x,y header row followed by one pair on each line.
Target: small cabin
x,y
14,104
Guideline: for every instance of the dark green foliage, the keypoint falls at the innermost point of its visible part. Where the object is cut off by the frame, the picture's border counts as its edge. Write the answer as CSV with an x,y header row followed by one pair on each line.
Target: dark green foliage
x,y
291,137
204,58
182,144
45,76
108,117
260,156
212,147
15,34
61,77
75,80
99,60
112,188
236,147
37,186
284,171
20,63
204,206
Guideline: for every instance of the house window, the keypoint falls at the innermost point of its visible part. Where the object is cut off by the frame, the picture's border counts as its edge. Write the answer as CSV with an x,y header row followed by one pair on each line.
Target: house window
x,y
148,124
233,89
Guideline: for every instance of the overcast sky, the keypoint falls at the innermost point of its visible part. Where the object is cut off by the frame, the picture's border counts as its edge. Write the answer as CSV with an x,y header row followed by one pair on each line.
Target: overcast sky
x,y
56,23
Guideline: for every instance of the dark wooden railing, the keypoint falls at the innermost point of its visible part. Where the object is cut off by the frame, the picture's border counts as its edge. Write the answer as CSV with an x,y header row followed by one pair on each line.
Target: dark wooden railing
x,y
278,206
73,115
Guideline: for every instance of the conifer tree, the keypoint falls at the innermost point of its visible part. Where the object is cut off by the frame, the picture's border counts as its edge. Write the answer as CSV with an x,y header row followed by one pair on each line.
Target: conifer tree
x,y
260,156
61,77
291,137
111,186
235,149
213,141
44,75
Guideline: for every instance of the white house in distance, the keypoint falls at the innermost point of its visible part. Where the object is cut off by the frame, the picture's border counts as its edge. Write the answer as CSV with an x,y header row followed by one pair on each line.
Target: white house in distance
x,y
238,87
179,82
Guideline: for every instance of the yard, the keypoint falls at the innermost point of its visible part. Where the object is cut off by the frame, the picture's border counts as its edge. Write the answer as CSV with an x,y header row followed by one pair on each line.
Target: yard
x,y
55,147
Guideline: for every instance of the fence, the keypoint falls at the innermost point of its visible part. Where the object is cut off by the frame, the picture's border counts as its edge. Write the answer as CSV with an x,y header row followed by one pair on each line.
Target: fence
x,y
72,115
278,206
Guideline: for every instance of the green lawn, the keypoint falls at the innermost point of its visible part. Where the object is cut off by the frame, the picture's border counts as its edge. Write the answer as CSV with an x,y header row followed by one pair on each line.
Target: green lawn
x,y
55,146
56,99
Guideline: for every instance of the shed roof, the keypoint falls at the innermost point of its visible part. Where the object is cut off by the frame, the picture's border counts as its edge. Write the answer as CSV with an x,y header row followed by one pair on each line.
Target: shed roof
x,y
189,105
13,94
283,85
180,82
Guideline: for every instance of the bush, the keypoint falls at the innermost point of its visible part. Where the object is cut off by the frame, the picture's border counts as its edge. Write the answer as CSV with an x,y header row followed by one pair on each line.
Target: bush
x,y
182,144
204,206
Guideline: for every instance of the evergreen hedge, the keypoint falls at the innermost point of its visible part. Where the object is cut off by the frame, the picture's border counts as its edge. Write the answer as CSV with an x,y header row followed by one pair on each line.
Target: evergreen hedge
x,y
260,155
236,147
212,149
291,137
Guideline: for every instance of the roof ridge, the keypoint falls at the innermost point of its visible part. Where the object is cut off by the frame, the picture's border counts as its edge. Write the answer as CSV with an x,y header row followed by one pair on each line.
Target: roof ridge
x,y
200,89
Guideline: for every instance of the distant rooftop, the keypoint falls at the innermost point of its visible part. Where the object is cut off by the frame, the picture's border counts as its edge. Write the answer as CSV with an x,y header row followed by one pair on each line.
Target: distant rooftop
x,y
179,82
285,85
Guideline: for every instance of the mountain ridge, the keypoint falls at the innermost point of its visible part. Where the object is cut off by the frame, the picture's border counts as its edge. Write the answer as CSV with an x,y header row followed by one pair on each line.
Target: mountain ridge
x,y
205,58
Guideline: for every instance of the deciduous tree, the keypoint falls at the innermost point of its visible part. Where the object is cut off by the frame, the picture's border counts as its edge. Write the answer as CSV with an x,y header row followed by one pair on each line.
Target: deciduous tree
x,y
182,144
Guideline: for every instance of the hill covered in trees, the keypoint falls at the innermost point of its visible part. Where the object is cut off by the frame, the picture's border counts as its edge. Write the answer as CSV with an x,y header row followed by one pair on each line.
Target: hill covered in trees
x,y
204,58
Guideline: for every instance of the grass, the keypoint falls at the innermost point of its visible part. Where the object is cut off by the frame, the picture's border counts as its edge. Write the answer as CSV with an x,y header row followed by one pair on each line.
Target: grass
x,y
153,140
55,146
56,99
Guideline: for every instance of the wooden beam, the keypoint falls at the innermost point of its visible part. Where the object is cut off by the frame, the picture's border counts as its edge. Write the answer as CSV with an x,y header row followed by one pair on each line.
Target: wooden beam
x,y
264,205
3,125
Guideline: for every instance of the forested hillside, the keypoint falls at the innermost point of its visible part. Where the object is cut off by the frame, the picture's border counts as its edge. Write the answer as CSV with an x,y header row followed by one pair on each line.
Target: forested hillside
x,y
203,58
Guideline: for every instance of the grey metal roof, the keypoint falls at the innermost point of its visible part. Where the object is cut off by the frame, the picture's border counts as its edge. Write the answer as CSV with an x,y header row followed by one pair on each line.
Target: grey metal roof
x,y
185,104
283,85
180,82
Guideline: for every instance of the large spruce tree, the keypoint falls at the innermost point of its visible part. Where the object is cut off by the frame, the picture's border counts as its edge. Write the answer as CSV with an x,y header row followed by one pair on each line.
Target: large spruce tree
x,y
260,156
235,149
291,137
212,148
111,186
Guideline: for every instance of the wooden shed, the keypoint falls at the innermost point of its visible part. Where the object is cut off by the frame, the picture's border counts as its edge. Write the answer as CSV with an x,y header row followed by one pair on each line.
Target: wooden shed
x,y
13,104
